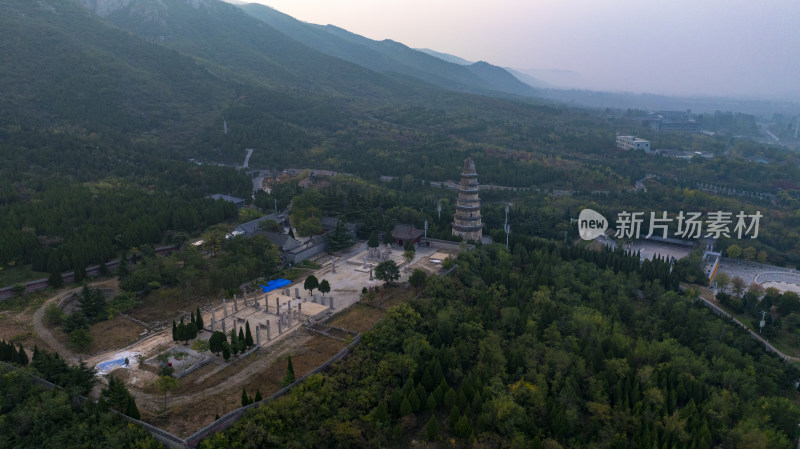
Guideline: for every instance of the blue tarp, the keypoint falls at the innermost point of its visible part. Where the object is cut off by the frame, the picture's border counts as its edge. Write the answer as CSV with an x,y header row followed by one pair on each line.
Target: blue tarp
x,y
277,283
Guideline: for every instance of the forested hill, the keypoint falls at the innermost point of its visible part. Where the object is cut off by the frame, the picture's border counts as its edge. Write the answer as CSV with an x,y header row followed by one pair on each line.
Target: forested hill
x,y
389,56
541,347
63,68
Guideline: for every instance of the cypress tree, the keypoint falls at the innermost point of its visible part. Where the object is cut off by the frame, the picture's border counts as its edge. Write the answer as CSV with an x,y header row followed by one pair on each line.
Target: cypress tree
x,y
174,331
132,409
245,399
289,378
199,320
258,397
248,337
22,357
122,268
242,341
191,319
405,407
432,428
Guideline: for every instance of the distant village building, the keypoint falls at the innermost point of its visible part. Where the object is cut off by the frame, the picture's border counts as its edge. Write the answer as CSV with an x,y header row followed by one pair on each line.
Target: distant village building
x,y
633,143
467,219
672,121
239,202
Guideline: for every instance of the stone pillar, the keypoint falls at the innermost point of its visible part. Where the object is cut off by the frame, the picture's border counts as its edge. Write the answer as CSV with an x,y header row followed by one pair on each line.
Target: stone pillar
x,y
322,300
269,336
330,300
280,326
235,305
277,306
297,292
300,309
223,327
225,307
213,322
258,335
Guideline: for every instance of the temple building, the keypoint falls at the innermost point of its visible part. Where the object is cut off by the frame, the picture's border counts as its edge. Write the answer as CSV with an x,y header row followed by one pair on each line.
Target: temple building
x,y
467,219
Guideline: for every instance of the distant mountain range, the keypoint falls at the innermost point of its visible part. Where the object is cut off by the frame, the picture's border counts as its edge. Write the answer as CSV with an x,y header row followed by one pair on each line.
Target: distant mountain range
x,y
393,57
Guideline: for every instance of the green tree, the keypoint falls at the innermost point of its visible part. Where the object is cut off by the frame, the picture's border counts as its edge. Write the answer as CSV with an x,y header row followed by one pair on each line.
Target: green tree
x,y
248,336
738,285
324,287
432,428
310,283
723,280
199,320
165,384
226,350
405,407
55,280
80,339
122,268
53,315
216,342
372,241
387,271
448,263
174,331
245,400
418,279
289,378
339,238
258,397
749,253
734,251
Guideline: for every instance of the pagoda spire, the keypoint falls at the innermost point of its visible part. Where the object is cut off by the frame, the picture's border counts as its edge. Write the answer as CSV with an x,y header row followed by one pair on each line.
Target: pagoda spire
x,y
467,219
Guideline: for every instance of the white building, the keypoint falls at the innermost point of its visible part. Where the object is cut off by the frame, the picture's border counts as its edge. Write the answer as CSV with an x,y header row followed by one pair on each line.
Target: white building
x,y
633,143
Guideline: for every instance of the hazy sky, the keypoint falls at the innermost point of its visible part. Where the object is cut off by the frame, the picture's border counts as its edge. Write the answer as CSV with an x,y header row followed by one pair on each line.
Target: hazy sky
x,y
728,47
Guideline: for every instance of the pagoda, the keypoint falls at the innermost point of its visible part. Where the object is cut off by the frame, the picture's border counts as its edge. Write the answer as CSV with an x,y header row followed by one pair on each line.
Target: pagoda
x,y
467,219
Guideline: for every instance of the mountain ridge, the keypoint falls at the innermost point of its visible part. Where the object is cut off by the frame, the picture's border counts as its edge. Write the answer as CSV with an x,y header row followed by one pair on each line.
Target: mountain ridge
x,y
389,56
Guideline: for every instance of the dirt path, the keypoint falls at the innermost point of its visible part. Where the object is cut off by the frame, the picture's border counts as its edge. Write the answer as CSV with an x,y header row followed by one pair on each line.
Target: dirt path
x,y
44,332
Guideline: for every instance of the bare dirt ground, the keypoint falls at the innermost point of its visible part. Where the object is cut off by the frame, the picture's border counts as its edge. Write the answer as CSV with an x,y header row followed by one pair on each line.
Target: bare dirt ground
x,y
198,399
216,387
359,318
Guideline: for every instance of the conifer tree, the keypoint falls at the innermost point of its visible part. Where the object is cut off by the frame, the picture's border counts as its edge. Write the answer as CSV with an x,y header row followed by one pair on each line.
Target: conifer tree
x,y
289,378
22,357
258,397
405,407
199,320
245,399
174,331
248,336
132,409
432,428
